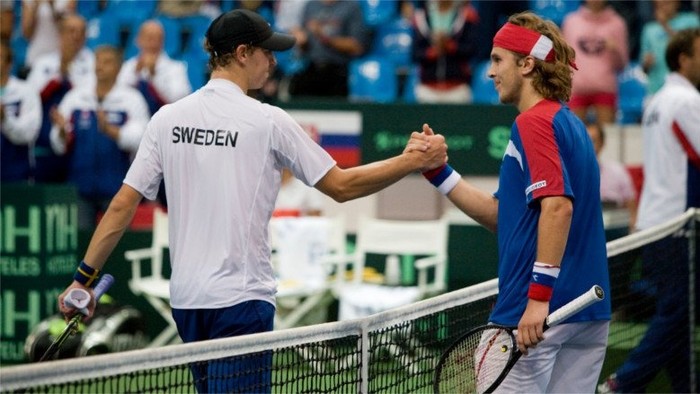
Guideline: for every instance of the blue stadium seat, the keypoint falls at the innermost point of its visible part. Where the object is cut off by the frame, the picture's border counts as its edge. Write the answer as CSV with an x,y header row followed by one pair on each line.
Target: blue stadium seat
x,y
395,40
193,30
373,79
378,12
197,70
103,30
19,45
228,5
126,10
632,88
173,36
291,62
88,9
185,35
116,28
409,87
554,10
483,90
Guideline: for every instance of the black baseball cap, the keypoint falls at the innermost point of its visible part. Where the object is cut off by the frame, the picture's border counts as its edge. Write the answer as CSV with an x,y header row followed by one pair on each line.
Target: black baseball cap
x,y
240,26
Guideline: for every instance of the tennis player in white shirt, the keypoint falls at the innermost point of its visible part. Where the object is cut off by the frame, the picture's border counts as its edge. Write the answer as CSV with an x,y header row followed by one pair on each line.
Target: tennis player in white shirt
x,y
221,153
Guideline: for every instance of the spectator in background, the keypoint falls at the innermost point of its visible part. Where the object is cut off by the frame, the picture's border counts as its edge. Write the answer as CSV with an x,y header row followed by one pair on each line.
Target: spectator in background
x,y
492,15
288,14
7,19
599,36
443,45
160,79
671,128
99,127
333,33
616,186
20,115
40,26
655,36
261,7
179,8
635,14
53,75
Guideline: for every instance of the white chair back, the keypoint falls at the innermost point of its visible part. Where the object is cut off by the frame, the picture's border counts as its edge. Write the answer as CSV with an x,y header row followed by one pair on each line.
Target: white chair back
x,y
302,247
300,244
399,238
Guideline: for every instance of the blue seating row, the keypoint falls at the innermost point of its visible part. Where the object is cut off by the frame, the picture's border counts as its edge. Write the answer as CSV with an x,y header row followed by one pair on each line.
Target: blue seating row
x,y
375,77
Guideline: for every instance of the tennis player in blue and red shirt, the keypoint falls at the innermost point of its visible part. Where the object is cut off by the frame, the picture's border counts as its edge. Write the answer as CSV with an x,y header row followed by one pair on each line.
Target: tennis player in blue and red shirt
x,y
546,212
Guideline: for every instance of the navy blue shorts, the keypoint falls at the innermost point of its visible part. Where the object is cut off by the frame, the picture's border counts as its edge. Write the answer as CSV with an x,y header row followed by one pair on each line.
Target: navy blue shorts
x,y
248,373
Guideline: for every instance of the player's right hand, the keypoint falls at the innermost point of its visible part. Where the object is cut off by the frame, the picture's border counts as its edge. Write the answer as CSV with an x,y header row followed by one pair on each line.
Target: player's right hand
x,y
68,311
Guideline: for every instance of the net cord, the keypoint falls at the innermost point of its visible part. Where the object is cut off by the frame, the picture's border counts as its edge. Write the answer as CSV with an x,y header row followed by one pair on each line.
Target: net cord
x,y
638,239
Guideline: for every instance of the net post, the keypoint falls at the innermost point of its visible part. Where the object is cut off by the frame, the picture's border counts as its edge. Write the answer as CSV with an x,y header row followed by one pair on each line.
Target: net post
x,y
692,239
364,359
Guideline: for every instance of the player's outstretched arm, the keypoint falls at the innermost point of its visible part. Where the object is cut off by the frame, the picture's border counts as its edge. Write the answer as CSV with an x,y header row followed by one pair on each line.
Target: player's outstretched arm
x,y
422,153
477,204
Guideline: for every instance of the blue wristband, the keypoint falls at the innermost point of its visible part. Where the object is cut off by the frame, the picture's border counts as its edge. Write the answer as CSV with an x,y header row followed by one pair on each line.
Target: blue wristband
x,y
444,178
86,275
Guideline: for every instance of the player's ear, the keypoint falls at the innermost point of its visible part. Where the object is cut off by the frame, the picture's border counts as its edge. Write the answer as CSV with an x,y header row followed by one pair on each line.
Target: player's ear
x,y
241,52
527,65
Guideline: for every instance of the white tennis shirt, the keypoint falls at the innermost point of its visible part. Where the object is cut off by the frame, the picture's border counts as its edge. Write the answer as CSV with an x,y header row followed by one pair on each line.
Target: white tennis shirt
x,y
666,180
221,154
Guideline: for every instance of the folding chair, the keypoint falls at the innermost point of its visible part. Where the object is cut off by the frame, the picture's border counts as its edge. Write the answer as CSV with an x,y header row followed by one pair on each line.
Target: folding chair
x,y
425,239
154,287
300,246
424,242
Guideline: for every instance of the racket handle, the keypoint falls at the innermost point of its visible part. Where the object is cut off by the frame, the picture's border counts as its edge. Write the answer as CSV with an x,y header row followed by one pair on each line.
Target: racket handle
x,y
586,299
80,299
105,283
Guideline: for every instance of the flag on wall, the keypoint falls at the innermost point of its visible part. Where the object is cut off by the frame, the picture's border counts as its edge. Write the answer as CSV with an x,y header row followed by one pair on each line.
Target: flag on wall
x,y
338,132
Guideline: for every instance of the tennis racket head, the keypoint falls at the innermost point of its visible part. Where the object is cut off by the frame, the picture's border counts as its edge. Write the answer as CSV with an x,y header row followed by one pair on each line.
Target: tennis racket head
x,y
476,361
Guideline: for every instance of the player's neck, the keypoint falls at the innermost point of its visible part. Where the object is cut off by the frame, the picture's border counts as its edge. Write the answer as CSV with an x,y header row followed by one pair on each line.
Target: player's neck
x,y
529,97
233,76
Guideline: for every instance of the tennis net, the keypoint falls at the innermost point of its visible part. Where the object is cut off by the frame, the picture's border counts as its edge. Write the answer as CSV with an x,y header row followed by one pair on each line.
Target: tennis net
x,y
394,351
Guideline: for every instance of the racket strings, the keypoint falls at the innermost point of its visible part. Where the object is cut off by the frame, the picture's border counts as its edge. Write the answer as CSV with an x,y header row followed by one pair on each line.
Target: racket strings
x,y
477,361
